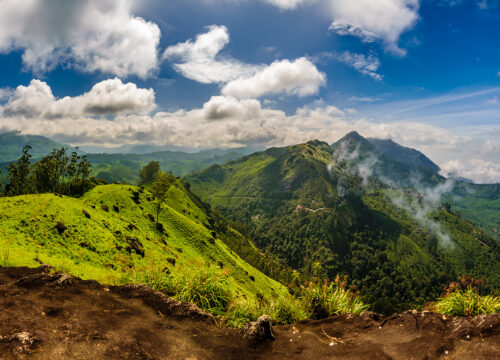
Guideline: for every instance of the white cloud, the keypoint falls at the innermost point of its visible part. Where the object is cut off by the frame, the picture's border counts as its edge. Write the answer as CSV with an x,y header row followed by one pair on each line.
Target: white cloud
x,y
107,97
199,60
373,20
477,170
299,77
289,4
366,65
93,35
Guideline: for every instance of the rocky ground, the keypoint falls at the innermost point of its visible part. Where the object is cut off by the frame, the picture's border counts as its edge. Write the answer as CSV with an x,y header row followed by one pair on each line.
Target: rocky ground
x,y
45,316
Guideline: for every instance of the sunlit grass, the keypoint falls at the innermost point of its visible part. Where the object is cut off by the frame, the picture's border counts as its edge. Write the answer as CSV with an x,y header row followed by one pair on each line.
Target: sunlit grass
x,y
467,303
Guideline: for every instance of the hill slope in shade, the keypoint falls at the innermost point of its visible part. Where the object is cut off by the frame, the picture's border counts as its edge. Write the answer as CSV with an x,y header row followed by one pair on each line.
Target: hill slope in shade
x,y
11,145
109,233
306,205
387,161
403,154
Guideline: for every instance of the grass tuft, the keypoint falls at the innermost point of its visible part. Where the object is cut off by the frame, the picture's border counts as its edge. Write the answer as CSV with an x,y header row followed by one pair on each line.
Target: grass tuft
x,y
327,299
467,303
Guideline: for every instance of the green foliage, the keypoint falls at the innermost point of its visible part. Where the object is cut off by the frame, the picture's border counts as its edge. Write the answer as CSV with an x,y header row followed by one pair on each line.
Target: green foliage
x,y
203,285
19,173
148,172
159,189
327,299
467,303
56,172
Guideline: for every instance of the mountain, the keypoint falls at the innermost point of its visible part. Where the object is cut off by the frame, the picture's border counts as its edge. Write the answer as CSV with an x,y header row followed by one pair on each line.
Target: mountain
x,y
324,210
387,161
11,145
403,154
110,235
124,168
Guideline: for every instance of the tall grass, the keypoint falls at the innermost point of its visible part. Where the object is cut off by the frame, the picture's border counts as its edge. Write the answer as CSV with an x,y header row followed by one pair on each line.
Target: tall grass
x,y
204,286
467,303
5,258
327,299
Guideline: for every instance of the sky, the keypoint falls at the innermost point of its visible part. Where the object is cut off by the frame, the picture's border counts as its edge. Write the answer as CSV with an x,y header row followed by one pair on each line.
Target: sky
x,y
232,73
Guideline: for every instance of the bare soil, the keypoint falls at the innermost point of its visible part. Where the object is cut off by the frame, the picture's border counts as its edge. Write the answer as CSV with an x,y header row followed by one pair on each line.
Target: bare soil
x,y
46,316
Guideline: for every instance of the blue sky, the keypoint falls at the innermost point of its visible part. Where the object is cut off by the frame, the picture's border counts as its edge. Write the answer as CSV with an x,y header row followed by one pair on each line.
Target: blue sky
x,y
232,73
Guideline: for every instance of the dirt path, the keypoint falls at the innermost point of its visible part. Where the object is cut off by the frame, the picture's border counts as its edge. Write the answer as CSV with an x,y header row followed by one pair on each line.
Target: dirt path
x,y
45,316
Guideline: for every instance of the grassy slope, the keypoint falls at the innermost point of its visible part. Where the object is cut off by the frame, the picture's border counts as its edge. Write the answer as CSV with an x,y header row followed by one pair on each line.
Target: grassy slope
x,y
95,248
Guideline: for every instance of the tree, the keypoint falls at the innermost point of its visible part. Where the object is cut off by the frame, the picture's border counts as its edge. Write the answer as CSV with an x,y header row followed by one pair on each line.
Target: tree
x,y
19,173
160,187
148,173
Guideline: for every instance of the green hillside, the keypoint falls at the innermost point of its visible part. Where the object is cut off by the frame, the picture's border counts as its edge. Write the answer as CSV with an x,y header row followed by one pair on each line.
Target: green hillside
x,y
124,168
109,235
479,203
314,210
11,145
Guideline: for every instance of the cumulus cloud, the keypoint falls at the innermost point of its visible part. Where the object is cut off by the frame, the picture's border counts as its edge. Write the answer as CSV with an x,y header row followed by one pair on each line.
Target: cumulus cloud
x,y
300,77
107,97
364,64
373,20
199,60
93,35
477,170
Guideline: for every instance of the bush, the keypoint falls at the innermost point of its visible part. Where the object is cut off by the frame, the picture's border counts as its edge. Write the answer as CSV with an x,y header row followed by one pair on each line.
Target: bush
x,y
287,310
241,312
327,299
203,286
467,303
60,227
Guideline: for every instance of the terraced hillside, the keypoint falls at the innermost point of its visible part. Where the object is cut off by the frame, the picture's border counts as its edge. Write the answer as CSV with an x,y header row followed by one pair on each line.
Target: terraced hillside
x,y
110,235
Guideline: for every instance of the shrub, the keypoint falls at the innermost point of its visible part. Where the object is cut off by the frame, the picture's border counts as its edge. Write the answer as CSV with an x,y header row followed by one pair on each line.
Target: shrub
x,y
203,286
467,303
60,227
241,312
286,310
327,299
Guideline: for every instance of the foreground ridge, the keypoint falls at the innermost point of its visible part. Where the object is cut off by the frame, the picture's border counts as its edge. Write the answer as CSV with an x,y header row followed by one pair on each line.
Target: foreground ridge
x,y
47,316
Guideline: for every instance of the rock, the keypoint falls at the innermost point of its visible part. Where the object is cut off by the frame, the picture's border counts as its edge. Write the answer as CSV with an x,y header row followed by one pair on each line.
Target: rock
x,y
63,280
24,342
260,330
